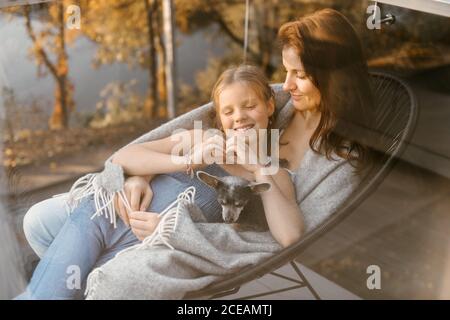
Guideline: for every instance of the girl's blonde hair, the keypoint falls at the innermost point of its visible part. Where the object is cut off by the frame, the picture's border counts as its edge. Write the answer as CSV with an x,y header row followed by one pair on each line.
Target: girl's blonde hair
x,y
246,74
257,81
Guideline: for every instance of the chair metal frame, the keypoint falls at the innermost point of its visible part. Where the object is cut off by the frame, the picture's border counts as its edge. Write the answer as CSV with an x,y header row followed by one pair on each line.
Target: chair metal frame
x,y
388,158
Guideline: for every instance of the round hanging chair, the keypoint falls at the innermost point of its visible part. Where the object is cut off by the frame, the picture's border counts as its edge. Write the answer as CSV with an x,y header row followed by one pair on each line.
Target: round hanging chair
x,y
396,113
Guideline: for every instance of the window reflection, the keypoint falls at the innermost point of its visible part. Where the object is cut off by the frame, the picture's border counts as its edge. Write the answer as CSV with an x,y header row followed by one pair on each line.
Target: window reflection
x,y
70,96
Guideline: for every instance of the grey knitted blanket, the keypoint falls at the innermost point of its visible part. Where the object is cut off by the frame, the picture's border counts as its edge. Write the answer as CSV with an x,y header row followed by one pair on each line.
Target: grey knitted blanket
x,y
183,254
202,252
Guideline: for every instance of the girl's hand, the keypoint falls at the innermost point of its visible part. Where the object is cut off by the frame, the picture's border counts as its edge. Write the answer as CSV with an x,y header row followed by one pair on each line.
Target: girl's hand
x,y
143,223
139,196
238,152
210,151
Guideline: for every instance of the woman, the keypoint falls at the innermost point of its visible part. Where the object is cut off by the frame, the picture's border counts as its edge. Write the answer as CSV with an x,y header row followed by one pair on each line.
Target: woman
x,y
324,141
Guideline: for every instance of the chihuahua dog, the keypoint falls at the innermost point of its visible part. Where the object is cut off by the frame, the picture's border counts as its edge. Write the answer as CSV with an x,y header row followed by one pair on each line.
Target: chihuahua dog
x,y
233,193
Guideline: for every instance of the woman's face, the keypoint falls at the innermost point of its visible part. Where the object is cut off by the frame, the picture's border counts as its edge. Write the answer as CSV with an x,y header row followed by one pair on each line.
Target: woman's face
x,y
241,109
305,95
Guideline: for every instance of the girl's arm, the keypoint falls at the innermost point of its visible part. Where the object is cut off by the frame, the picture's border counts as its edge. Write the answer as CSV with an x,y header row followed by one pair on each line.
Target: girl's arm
x,y
155,157
283,216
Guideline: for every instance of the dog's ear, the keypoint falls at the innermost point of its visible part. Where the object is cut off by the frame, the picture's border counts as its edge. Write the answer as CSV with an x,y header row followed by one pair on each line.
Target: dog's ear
x,y
259,187
209,179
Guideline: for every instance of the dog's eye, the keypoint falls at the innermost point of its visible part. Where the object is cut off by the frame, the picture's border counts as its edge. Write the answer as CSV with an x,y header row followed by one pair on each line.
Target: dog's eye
x,y
239,204
222,202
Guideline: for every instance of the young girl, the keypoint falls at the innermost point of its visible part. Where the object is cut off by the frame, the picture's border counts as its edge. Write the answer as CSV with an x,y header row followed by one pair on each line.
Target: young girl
x,y
243,101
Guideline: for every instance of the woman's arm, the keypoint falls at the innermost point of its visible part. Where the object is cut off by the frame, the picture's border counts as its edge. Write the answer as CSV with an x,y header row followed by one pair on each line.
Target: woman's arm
x,y
282,213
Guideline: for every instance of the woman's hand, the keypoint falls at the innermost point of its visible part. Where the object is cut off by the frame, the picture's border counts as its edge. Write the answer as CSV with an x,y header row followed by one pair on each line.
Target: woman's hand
x,y
139,196
143,223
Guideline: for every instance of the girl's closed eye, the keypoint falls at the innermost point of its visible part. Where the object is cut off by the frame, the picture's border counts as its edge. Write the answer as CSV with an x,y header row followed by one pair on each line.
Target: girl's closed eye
x,y
227,112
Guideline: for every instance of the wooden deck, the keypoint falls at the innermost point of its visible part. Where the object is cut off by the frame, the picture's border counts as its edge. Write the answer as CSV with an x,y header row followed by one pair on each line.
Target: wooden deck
x,y
271,287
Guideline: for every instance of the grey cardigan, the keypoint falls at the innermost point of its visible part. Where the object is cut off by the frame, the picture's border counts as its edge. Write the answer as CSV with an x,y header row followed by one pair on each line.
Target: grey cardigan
x,y
321,185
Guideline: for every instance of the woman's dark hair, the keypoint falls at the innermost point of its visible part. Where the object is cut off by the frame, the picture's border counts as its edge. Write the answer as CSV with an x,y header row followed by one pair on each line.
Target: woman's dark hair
x,y
332,56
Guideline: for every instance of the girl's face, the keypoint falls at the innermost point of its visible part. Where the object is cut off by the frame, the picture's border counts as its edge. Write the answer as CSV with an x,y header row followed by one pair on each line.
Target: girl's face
x,y
305,95
241,109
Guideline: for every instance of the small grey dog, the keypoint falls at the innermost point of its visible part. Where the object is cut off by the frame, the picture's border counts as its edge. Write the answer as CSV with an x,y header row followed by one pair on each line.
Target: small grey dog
x,y
233,193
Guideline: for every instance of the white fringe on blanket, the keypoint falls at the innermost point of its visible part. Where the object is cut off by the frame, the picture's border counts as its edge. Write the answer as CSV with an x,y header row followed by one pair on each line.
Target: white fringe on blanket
x,y
159,237
103,186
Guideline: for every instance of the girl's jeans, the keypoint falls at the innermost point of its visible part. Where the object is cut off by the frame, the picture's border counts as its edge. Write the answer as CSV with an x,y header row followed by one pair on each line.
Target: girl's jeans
x,y
43,222
71,246
80,245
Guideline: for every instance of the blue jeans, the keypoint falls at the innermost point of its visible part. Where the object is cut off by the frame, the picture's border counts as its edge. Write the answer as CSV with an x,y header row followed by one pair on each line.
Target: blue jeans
x,y
43,221
83,244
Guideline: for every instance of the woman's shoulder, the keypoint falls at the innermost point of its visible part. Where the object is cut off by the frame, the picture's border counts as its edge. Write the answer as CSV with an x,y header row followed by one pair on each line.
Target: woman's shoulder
x,y
315,159
317,168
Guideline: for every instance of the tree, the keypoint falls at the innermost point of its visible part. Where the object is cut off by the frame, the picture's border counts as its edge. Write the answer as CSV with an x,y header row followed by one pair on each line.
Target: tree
x,y
151,7
117,28
229,15
52,39
10,105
